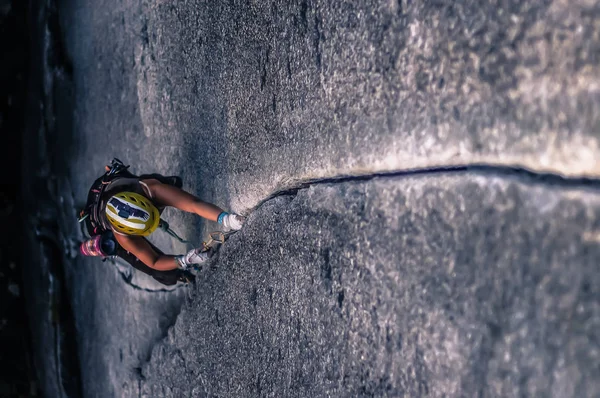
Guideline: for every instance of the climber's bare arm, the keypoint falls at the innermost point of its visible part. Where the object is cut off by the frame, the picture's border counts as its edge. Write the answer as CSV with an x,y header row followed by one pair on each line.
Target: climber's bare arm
x,y
140,248
168,195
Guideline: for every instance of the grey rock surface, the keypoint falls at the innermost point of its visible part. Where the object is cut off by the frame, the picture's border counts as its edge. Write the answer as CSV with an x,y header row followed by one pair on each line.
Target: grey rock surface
x,y
247,97
426,286
334,88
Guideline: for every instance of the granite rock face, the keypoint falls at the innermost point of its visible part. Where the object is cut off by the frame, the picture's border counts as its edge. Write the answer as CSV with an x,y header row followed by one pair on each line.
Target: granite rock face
x,y
338,88
427,286
442,282
246,97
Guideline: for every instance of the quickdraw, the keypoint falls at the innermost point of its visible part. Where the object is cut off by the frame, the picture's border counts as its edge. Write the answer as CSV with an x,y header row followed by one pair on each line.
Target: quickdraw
x,y
214,238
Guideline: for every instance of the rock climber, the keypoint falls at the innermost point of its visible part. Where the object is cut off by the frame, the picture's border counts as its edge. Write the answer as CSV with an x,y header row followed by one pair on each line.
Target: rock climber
x,y
123,209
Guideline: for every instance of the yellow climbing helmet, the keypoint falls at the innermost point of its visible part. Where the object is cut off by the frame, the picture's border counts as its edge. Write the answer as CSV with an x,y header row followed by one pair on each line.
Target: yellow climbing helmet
x,y
132,214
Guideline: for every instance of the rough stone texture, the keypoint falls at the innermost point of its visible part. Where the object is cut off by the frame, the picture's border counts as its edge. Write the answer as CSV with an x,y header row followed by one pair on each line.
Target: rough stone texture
x,y
241,98
360,87
91,330
244,97
423,286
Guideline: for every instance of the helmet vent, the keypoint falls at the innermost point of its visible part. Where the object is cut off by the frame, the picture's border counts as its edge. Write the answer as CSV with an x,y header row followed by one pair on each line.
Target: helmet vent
x,y
132,213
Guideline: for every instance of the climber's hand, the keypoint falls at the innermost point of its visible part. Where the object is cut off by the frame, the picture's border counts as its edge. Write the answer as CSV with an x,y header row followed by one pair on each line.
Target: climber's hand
x,y
193,257
232,221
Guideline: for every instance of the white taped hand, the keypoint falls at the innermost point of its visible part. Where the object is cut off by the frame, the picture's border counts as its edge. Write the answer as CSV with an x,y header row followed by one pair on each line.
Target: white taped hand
x,y
233,222
194,256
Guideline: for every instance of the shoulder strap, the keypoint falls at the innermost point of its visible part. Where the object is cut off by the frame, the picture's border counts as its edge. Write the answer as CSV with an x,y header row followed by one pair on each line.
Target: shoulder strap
x,y
91,213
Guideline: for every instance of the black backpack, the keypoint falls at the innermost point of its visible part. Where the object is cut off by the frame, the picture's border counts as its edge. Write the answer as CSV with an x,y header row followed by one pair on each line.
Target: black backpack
x,y
91,213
